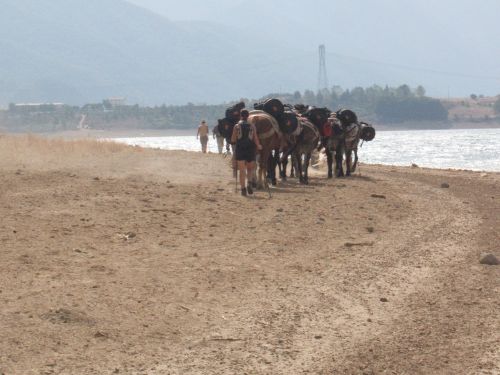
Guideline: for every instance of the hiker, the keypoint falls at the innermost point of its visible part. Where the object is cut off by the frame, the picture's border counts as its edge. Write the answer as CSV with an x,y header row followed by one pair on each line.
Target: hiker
x,y
220,138
246,141
203,136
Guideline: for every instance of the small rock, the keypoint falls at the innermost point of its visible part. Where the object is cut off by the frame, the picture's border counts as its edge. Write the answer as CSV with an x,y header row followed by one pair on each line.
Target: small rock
x,y
370,229
369,320
489,259
100,335
380,196
96,178
279,210
383,299
195,255
414,165
445,185
317,337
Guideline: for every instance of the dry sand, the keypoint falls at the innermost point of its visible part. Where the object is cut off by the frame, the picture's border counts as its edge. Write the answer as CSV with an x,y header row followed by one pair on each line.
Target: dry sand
x,y
118,260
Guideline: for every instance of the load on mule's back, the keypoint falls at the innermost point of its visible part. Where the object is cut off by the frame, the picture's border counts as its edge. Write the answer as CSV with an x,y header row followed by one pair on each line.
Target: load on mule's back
x,y
232,116
347,132
286,118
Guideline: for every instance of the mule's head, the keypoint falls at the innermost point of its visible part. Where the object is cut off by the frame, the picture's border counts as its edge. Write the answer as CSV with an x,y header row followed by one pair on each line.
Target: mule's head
x,y
347,117
225,126
233,112
336,128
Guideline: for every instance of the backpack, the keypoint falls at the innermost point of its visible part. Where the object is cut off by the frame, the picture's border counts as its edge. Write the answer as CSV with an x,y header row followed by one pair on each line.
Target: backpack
x,y
245,133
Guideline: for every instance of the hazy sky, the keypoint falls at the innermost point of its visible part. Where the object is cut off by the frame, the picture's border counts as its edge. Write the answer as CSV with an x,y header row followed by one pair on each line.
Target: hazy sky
x,y
462,12
441,43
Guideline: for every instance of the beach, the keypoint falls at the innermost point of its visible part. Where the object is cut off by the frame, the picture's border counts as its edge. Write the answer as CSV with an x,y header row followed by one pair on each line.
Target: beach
x,y
119,259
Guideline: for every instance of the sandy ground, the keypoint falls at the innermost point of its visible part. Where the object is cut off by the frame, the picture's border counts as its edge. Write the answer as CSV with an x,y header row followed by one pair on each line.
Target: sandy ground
x,y
118,260
121,133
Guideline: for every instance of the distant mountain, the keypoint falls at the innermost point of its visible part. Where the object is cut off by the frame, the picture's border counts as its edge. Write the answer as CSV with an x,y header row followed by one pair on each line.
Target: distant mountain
x,y
77,51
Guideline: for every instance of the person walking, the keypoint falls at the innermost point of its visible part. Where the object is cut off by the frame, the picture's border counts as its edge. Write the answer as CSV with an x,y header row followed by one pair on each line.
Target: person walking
x,y
203,136
220,139
245,138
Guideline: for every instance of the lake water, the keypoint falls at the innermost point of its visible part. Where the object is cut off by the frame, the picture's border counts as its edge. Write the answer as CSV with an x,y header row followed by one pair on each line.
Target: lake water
x,y
458,149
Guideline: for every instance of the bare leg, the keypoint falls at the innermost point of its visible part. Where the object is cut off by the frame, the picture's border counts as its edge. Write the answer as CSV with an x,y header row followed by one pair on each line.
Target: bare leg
x,y
243,173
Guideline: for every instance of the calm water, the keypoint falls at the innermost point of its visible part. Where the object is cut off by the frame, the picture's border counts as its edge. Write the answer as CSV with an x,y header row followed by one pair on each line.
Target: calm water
x,y
458,149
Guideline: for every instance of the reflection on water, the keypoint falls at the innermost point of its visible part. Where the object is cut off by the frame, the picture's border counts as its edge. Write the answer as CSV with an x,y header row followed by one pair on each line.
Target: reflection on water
x,y
459,149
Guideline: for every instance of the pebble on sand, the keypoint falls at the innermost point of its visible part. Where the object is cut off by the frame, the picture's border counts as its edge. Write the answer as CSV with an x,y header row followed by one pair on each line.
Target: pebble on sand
x,y
489,259
445,185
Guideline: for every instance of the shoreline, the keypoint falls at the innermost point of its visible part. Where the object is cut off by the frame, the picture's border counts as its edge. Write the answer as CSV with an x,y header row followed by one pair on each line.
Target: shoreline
x,y
136,133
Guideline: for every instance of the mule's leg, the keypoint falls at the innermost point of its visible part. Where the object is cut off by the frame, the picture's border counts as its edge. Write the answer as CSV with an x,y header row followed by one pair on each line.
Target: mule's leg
x,y
300,171
271,170
260,182
329,162
275,163
280,164
307,159
355,164
260,171
348,162
284,164
339,156
293,169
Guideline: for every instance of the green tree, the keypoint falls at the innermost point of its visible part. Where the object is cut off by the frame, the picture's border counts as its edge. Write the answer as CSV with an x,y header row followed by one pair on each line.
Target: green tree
x,y
420,91
404,91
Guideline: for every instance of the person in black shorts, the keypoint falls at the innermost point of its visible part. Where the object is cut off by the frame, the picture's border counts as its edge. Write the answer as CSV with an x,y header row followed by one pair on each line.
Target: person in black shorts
x,y
245,138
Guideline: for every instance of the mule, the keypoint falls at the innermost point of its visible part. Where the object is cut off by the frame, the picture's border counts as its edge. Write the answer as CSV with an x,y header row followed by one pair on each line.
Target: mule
x,y
270,139
301,147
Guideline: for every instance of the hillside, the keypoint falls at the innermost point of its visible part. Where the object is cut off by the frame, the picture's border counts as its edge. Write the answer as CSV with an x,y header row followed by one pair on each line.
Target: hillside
x,y
77,52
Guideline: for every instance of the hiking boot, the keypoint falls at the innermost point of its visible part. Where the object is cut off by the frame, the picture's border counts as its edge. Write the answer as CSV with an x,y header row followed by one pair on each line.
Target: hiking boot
x,y
244,192
249,189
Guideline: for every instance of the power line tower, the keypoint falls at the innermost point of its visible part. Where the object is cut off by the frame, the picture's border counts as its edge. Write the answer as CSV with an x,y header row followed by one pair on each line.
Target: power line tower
x,y
322,75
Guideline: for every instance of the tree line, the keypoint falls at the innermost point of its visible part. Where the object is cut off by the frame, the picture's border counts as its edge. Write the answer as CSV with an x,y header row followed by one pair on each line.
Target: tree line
x,y
388,105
